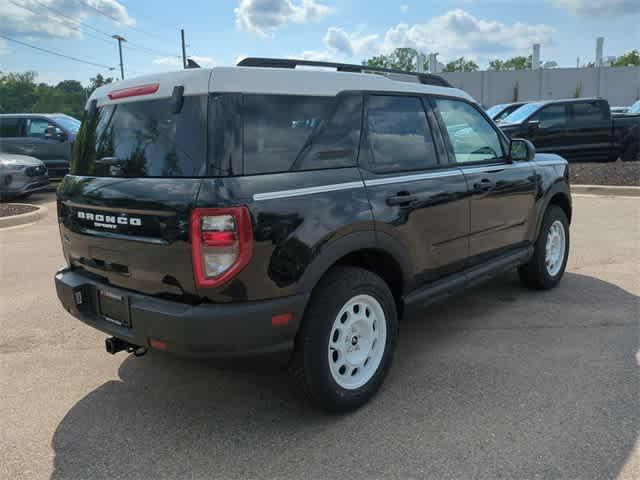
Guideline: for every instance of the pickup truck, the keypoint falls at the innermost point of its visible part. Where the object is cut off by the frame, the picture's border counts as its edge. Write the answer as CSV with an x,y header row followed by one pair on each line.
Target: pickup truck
x,y
577,129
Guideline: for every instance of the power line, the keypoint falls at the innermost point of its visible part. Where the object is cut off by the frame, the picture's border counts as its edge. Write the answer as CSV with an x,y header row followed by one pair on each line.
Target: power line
x,y
60,14
133,46
114,19
61,20
56,53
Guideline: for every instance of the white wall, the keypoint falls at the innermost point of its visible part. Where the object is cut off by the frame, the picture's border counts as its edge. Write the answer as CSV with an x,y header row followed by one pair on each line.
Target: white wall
x,y
619,85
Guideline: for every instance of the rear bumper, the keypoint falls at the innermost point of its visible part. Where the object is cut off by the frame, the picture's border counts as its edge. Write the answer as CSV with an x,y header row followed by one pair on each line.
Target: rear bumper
x,y
205,330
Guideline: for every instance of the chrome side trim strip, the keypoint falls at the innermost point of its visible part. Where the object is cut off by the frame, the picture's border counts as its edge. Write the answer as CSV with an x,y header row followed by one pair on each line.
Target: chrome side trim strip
x,y
411,178
297,192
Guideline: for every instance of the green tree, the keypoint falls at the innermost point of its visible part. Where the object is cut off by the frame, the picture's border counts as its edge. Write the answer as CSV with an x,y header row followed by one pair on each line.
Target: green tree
x,y
496,64
400,59
631,58
96,82
514,63
461,65
70,87
17,91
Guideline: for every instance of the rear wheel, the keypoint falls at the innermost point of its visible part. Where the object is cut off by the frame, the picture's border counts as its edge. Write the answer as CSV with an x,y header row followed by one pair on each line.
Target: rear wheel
x,y
347,340
551,251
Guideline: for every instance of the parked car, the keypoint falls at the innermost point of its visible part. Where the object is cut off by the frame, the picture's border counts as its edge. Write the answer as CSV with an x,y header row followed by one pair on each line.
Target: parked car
x,y
578,129
499,112
634,109
20,176
268,210
48,137
619,110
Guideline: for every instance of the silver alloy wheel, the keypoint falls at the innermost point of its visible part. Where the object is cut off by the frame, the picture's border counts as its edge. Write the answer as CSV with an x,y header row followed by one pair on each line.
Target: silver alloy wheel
x,y
555,248
357,342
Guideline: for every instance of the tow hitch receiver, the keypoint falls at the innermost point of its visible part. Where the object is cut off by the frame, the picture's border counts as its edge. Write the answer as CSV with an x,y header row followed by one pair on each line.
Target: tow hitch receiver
x,y
114,345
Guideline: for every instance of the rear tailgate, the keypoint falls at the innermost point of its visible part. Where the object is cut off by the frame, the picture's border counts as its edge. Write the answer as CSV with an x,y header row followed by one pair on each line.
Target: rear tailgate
x,y
132,232
137,165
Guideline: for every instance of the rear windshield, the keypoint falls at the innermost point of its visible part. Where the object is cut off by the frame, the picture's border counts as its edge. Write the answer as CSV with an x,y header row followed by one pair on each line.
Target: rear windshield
x,y
143,139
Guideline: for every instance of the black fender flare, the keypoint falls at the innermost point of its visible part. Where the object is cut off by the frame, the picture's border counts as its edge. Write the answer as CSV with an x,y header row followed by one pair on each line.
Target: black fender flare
x,y
351,243
558,187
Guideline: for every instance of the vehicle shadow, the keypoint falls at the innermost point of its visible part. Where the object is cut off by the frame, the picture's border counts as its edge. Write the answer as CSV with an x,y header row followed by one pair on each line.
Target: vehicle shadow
x,y
501,383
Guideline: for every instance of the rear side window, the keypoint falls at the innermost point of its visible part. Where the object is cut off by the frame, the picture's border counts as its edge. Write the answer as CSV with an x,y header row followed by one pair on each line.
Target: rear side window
x,y
11,127
143,139
552,116
589,114
277,127
335,140
398,134
37,127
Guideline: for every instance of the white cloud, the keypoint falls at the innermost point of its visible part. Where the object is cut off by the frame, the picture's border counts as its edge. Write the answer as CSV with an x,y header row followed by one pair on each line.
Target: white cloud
x,y
348,44
340,44
404,8
597,8
458,33
4,48
262,17
177,62
453,34
36,20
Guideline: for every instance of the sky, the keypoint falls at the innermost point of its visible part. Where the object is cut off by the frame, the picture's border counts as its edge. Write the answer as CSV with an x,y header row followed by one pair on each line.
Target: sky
x,y
220,32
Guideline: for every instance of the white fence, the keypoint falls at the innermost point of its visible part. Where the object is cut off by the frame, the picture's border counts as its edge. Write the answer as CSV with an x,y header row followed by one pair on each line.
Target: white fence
x,y
619,85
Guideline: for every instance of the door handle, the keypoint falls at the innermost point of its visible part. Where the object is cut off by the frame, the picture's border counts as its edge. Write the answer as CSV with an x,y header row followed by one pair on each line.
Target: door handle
x,y
402,199
483,185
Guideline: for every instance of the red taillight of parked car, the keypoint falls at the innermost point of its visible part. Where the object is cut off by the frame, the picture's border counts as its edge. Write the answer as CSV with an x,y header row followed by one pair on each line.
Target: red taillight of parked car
x,y
221,243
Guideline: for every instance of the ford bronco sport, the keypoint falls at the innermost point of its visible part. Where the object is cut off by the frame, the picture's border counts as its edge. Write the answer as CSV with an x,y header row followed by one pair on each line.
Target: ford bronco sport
x,y
270,210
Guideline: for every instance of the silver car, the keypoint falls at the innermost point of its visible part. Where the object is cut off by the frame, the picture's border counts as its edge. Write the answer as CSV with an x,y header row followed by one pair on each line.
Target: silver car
x,y
21,175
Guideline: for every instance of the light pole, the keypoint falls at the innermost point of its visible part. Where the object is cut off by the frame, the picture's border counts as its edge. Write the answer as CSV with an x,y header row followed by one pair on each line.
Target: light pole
x,y
120,39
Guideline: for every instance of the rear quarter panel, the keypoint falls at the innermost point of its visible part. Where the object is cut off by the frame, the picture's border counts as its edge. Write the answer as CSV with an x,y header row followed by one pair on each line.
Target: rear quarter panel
x,y
291,233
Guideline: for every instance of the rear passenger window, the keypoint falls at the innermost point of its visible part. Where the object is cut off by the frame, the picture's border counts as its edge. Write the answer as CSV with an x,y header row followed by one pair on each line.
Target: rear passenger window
x,y
335,141
36,127
590,115
11,127
277,127
553,116
398,134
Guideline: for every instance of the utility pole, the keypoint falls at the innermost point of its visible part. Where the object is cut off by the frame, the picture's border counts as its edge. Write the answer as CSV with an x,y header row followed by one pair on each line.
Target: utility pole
x,y
184,50
120,40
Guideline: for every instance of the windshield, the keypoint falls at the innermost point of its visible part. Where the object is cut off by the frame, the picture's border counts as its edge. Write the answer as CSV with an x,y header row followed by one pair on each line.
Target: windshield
x,y
68,123
635,108
522,113
143,139
493,111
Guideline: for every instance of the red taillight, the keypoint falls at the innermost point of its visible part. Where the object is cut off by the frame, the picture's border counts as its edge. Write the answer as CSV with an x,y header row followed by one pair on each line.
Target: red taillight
x,y
221,243
218,239
147,89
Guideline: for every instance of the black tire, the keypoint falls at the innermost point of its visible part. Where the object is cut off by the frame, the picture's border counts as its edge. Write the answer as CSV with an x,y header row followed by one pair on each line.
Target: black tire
x,y
310,363
535,274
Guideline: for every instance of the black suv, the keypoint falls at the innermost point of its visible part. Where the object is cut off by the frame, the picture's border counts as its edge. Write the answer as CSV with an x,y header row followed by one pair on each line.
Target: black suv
x,y
264,210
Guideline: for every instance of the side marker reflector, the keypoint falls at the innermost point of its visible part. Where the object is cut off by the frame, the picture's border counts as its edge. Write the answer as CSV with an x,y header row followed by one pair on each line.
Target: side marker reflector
x,y
281,320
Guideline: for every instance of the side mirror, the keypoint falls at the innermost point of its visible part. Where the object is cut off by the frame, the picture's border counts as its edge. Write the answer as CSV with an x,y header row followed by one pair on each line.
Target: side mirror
x,y
533,125
521,150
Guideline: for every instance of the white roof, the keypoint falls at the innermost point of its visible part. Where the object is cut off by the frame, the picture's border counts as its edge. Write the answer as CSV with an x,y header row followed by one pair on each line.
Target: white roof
x,y
268,81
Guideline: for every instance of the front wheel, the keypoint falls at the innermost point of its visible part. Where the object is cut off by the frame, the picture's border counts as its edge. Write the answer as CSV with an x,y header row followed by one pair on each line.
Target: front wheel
x,y
551,251
347,340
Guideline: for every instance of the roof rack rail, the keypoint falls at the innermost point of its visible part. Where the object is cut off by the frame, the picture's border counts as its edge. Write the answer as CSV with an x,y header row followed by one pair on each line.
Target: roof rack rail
x,y
424,78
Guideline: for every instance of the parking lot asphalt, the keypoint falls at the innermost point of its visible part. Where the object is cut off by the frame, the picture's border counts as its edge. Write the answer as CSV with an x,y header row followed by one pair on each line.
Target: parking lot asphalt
x,y
500,383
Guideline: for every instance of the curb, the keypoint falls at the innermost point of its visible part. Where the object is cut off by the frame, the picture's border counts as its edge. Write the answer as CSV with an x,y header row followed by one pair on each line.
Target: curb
x,y
606,190
23,218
